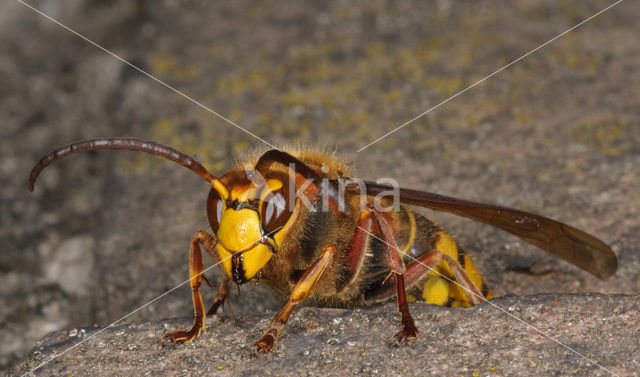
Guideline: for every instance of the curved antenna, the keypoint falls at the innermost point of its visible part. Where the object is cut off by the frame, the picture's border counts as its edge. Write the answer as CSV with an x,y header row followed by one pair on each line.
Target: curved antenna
x,y
128,143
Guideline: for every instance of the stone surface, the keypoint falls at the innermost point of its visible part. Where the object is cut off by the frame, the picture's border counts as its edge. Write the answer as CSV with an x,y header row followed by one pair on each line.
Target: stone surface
x,y
70,265
556,134
565,335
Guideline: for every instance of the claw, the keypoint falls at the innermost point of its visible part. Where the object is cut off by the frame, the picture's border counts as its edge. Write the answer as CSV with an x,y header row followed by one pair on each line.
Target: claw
x,y
403,338
406,336
168,342
265,344
258,351
171,339
176,337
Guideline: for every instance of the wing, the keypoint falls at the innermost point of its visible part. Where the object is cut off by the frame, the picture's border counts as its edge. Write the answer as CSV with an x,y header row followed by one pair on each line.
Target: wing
x,y
562,240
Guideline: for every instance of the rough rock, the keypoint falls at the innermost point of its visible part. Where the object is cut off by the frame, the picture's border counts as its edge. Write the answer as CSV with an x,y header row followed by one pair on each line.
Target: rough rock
x,y
543,335
70,265
555,134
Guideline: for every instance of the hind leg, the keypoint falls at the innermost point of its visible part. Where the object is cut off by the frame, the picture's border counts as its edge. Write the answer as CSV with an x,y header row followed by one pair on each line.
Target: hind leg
x,y
419,270
398,270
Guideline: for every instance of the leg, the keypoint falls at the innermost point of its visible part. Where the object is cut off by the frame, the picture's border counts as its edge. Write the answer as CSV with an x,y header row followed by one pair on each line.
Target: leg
x,y
195,278
397,269
222,294
409,330
415,271
300,292
396,264
472,292
418,270
357,248
474,295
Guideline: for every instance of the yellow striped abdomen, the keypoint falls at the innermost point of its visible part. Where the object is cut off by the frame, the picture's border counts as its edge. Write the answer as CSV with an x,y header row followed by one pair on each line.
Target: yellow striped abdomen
x,y
440,287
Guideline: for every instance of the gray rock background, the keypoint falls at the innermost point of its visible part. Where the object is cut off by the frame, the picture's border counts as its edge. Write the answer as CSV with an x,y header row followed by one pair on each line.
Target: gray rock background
x,y
485,340
104,233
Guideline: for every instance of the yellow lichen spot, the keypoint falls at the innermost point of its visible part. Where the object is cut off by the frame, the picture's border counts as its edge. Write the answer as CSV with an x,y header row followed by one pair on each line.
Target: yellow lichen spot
x,y
305,126
493,368
266,118
610,137
394,95
217,166
163,65
374,49
475,374
231,84
444,85
235,115
241,146
522,117
189,72
257,81
390,143
220,367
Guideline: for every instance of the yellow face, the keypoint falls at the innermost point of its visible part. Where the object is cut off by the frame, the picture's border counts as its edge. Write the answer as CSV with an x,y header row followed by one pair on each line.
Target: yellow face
x,y
251,221
240,231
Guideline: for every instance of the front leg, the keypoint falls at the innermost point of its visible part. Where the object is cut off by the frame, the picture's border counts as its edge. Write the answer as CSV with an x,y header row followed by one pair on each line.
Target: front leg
x,y
195,279
222,294
300,292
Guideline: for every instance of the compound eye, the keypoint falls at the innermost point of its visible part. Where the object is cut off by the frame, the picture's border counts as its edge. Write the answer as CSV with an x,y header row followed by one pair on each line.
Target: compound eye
x,y
215,206
275,207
